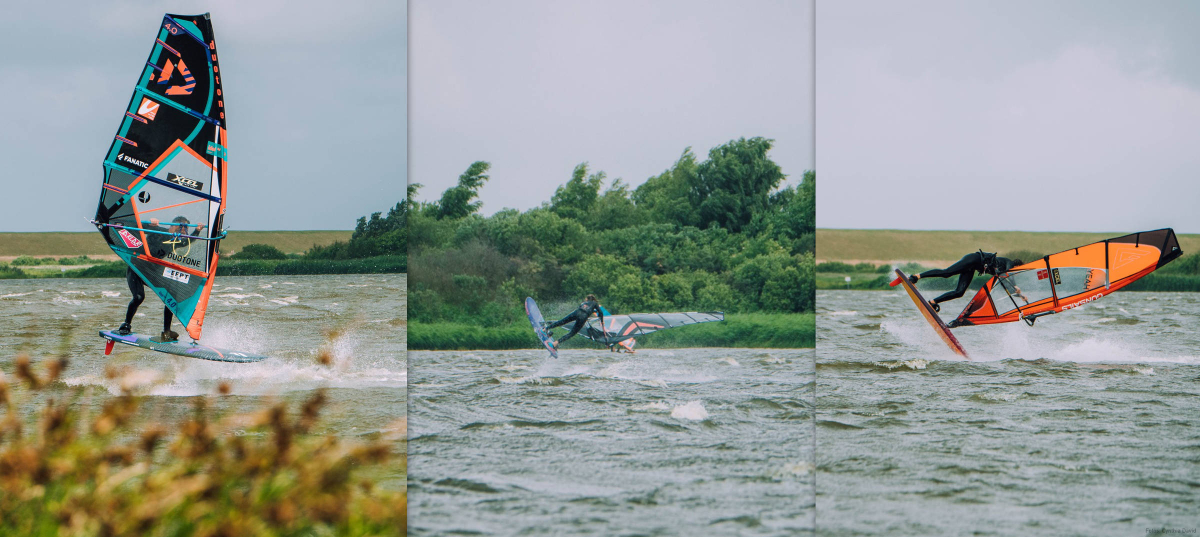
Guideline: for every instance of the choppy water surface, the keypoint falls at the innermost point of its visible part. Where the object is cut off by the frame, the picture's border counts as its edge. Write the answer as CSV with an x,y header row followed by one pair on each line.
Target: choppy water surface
x,y
287,318
662,442
1085,424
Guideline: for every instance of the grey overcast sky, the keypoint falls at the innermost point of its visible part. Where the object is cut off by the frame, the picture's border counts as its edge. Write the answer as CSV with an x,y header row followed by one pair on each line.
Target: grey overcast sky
x,y
537,87
315,97
1019,115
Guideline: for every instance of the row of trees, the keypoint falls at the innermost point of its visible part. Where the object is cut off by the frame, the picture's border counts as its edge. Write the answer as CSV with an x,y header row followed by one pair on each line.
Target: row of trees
x,y
375,236
718,234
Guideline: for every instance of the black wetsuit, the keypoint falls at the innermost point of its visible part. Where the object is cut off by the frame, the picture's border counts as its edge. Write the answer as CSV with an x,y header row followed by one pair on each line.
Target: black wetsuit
x,y
138,289
965,269
580,316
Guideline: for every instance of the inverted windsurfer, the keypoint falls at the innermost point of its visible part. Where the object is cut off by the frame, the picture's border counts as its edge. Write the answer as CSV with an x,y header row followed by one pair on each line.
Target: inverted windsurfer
x,y
965,269
581,314
138,289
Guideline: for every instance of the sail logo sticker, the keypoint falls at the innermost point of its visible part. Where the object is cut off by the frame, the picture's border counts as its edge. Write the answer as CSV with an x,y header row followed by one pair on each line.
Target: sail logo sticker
x,y
1082,302
181,259
1058,279
148,109
129,239
179,276
1126,257
218,151
1043,274
122,157
185,182
189,82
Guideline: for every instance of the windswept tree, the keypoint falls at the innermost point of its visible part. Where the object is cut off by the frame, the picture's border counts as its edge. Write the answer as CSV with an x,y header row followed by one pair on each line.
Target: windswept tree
x,y
457,201
574,199
735,183
665,198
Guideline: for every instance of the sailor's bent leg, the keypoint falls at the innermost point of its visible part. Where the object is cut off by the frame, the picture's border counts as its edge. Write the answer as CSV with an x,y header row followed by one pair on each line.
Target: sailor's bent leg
x,y
964,282
561,322
574,330
957,268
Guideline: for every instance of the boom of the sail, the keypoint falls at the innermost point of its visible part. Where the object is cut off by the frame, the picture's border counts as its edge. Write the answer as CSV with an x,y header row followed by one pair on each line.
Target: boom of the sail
x,y
1071,278
164,191
618,328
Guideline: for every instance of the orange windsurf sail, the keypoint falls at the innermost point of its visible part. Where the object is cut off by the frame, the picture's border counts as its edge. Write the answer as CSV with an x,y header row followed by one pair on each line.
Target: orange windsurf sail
x,y
1068,279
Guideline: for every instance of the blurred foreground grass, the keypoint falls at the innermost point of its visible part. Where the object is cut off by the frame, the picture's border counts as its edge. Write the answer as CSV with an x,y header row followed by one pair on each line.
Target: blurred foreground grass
x,y
66,472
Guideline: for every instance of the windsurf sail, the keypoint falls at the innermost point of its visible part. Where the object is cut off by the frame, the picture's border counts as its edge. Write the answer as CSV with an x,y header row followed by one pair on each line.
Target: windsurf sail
x,y
618,328
1069,279
162,201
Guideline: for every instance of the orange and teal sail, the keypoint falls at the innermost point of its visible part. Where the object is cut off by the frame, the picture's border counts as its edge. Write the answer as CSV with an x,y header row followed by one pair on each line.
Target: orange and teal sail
x,y
165,175
1071,278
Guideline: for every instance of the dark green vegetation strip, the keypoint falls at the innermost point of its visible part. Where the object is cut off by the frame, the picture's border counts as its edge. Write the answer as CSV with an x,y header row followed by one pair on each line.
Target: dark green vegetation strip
x,y
90,243
705,235
755,330
370,265
378,245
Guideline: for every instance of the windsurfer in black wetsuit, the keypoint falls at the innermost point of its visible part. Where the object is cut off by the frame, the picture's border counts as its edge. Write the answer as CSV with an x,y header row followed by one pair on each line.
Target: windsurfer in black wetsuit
x,y
965,269
178,226
581,314
138,289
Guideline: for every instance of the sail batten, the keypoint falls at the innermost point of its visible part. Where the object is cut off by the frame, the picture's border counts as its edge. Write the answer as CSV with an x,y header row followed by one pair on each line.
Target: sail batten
x,y
163,195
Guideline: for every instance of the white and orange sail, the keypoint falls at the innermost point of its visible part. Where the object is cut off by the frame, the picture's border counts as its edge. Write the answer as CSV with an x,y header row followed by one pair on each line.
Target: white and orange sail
x,y
1068,279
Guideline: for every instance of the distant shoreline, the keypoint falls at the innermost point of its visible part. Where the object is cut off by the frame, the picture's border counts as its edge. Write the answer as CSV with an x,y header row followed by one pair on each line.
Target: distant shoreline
x,y
76,243
393,264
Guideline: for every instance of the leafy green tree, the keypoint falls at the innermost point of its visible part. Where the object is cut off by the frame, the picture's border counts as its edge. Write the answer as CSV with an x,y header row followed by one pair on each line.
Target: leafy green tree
x,y
735,183
632,293
675,288
574,199
713,294
457,201
541,232
614,209
666,198
377,236
718,235
594,275
791,289
259,251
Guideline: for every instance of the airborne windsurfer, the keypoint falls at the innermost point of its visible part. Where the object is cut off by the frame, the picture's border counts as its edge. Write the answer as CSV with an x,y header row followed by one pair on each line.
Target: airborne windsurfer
x,y
580,316
965,269
138,289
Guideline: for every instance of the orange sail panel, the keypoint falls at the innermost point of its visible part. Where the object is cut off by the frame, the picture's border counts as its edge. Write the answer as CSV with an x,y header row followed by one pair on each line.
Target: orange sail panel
x,y
1071,278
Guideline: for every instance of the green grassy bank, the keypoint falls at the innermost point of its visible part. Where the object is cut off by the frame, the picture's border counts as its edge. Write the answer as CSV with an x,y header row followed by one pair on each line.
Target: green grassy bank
x,y
748,330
